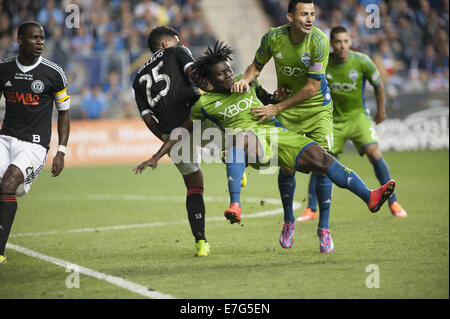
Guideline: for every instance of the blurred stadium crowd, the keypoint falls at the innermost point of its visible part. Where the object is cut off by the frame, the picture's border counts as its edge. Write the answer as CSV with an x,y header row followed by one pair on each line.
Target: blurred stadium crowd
x,y
107,28
411,46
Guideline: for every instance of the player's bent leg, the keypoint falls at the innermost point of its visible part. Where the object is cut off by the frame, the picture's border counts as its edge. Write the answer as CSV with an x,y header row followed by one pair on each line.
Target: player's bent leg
x,y
316,159
244,148
224,159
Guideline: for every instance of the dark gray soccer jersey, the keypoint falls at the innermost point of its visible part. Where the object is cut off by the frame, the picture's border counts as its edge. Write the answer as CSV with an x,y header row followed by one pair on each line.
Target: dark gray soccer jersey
x,y
162,88
29,92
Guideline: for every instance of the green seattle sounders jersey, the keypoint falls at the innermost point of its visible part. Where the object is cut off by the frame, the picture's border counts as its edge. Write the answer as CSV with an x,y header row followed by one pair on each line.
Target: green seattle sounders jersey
x,y
232,111
347,83
229,110
295,62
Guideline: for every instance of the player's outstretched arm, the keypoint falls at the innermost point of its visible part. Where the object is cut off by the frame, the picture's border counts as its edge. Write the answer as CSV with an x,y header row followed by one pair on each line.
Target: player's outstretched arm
x,y
164,149
152,125
379,97
63,138
310,89
251,74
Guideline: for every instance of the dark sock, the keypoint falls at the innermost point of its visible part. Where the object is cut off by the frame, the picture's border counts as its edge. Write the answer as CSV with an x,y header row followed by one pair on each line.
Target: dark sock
x,y
8,208
196,212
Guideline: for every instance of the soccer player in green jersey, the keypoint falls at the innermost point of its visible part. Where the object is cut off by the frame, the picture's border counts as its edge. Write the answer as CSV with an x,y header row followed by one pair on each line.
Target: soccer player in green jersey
x,y
257,143
347,73
300,52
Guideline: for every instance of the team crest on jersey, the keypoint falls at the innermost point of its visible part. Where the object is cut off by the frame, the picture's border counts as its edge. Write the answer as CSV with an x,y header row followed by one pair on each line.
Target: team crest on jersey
x,y
37,86
353,75
306,58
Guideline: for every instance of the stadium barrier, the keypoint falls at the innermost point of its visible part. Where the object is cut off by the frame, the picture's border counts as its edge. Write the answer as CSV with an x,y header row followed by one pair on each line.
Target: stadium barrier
x,y
106,142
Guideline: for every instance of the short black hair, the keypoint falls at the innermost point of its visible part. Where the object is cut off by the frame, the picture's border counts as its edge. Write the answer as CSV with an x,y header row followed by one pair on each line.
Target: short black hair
x,y
24,27
220,52
336,30
157,34
293,4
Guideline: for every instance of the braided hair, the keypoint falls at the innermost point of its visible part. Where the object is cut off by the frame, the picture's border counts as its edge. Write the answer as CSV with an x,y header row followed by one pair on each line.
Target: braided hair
x,y
220,52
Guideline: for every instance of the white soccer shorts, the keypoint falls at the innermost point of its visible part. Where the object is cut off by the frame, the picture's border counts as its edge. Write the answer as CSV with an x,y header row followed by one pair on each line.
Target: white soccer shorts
x,y
28,157
192,163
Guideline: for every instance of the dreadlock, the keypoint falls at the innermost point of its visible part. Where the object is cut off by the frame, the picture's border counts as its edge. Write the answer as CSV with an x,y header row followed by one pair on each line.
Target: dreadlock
x,y
220,52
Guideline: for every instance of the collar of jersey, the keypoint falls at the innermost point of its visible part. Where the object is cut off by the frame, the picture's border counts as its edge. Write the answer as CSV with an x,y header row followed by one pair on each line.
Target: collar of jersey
x,y
27,68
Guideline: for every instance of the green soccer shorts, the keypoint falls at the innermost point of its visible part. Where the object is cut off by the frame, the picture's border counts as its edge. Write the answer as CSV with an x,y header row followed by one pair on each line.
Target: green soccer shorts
x,y
280,147
315,123
360,130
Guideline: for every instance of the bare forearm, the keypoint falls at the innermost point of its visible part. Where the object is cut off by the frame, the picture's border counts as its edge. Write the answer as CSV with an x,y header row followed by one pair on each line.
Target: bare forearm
x,y
175,137
307,92
63,127
251,73
380,97
153,126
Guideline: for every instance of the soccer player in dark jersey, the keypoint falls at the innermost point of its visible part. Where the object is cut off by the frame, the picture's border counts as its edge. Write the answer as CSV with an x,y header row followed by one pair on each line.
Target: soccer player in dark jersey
x,y
293,150
30,84
164,95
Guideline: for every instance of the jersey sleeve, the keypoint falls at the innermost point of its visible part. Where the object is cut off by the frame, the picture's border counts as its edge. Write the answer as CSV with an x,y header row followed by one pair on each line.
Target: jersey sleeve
x,y
371,72
319,56
196,111
60,93
263,54
184,57
141,101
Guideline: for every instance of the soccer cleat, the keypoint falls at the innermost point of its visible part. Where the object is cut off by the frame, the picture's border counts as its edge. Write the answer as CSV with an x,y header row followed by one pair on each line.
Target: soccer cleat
x,y
397,210
380,195
202,247
244,177
308,214
287,235
326,242
233,213
3,259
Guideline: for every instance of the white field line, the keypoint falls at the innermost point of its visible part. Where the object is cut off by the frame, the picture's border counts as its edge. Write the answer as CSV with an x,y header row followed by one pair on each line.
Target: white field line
x,y
296,205
120,282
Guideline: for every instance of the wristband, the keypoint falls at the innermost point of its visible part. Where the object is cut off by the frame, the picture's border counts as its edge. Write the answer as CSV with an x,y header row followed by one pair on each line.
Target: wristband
x,y
62,149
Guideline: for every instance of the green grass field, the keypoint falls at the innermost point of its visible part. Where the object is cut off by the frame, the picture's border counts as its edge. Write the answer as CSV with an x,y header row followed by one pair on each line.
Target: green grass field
x,y
71,218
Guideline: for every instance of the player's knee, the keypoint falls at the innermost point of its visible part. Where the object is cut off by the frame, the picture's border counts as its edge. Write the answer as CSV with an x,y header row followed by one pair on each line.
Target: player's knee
x,y
20,191
373,152
286,171
8,185
315,159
